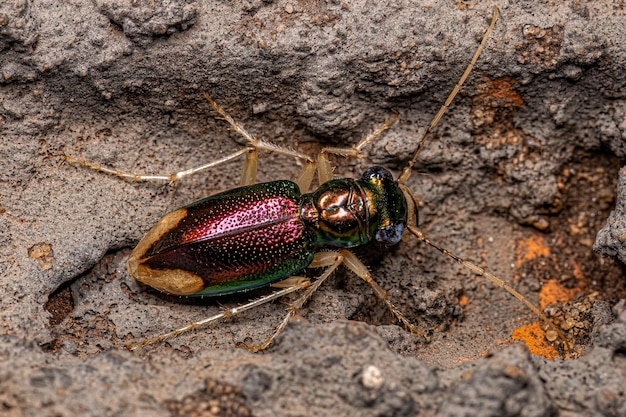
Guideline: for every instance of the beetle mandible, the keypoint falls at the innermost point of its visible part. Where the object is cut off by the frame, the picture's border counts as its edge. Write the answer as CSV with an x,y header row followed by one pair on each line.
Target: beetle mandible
x,y
262,234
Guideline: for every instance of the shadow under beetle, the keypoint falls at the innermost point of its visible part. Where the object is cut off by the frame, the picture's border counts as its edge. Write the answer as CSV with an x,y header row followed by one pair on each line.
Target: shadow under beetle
x,y
261,234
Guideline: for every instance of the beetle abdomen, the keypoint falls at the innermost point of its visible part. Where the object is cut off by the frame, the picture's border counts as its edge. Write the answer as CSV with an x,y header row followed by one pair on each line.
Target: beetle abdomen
x,y
231,242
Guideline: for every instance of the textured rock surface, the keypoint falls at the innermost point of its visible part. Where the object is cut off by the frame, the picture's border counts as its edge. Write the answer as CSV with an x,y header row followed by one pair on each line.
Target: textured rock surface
x,y
520,175
340,368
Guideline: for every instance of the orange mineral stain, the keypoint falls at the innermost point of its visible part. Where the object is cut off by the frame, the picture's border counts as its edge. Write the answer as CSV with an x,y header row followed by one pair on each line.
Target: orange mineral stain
x,y
552,292
535,338
463,300
529,249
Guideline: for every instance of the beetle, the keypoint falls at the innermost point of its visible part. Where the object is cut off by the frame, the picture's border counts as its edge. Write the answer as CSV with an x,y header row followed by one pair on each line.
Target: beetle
x,y
259,235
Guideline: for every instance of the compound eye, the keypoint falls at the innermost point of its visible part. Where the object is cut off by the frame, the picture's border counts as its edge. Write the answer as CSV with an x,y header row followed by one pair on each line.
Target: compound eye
x,y
390,235
378,173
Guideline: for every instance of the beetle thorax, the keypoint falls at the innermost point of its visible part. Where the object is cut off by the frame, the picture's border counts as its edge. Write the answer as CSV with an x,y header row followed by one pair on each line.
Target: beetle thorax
x,y
338,214
347,212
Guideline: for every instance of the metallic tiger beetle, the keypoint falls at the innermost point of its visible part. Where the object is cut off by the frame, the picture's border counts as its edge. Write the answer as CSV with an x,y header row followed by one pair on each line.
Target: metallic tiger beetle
x,y
259,235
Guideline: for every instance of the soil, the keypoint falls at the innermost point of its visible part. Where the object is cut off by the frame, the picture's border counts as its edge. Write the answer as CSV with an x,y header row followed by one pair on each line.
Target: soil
x,y
520,177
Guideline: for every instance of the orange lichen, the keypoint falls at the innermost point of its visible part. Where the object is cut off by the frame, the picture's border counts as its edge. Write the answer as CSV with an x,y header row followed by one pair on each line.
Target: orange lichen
x,y
577,270
552,292
535,338
42,253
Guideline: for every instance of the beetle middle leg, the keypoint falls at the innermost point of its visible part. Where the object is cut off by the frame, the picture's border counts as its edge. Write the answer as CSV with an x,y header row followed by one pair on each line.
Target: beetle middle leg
x,y
155,276
321,164
249,175
332,260
250,165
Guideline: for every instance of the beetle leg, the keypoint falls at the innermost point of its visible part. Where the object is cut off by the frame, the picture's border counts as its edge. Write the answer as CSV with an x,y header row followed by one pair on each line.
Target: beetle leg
x,y
250,166
248,177
324,168
355,265
325,171
331,260
355,150
175,177
303,181
297,283
305,178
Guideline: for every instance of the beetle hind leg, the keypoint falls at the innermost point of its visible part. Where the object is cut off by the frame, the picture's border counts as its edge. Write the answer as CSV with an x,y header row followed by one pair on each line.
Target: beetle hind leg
x,y
290,285
172,178
250,165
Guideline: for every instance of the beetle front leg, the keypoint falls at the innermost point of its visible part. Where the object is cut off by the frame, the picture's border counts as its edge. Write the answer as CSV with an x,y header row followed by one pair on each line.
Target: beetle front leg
x,y
355,265
332,260
325,170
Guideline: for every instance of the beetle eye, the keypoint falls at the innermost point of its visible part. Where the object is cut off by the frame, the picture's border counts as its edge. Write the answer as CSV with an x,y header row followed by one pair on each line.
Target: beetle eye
x,y
390,235
378,173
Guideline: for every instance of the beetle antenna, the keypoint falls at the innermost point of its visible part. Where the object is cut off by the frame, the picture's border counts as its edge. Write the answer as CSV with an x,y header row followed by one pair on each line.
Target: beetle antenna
x,y
495,280
406,171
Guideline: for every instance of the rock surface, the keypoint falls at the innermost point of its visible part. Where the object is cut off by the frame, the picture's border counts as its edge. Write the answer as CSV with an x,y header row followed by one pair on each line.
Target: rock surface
x,y
520,175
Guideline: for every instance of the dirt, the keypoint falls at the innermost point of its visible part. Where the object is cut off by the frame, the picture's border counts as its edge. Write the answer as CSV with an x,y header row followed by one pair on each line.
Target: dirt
x,y
519,177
